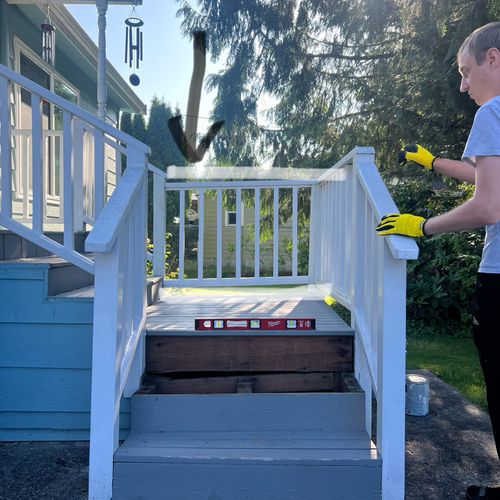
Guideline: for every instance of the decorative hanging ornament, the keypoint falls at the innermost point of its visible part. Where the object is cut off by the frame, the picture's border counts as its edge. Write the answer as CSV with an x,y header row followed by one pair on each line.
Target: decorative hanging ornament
x,y
133,43
48,39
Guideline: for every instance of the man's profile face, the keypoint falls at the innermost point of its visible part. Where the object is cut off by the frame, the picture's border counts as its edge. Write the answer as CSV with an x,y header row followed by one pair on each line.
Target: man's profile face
x,y
478,80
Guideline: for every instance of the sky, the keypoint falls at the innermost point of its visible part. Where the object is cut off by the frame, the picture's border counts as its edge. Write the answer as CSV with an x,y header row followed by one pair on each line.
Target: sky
x,y
167,57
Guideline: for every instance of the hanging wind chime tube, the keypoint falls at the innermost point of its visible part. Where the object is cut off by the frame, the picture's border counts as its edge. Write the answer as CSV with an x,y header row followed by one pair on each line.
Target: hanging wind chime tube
x,y
133,43
48,39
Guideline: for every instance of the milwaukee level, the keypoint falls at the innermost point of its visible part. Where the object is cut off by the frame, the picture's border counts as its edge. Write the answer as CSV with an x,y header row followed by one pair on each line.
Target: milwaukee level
x,y
255,324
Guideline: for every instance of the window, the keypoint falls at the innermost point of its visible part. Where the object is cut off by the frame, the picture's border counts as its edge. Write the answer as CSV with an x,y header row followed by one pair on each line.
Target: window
x,y
231,216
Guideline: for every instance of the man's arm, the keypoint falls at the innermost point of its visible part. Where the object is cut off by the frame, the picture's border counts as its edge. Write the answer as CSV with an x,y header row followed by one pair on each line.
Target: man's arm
x,y
455,168
482,209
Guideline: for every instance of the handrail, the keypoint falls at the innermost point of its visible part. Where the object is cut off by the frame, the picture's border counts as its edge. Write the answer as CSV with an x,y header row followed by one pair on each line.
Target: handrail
x,y
367,274
103,235
73,109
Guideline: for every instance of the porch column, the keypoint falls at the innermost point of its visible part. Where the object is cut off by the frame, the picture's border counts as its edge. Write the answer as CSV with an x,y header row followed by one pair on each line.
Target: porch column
x,y
102,7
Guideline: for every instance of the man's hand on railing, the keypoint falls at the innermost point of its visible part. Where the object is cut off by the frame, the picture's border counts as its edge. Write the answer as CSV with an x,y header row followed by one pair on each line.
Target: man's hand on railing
x,y
418,154
405,224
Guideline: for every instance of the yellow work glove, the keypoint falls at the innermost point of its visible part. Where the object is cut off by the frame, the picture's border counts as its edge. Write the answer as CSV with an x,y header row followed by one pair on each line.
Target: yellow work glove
x,y
405,224
419,155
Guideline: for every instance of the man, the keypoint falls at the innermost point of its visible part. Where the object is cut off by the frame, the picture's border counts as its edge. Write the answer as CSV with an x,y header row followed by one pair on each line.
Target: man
x,y
479,66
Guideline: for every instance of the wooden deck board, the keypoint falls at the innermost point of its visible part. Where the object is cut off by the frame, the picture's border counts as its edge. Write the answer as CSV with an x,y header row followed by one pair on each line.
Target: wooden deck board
x,y
176,314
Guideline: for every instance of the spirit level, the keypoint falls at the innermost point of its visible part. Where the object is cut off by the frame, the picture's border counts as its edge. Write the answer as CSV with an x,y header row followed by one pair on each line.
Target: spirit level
x,y
255,324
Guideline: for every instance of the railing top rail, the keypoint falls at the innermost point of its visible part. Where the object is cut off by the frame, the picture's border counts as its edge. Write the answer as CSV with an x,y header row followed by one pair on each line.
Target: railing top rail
x,y
346,160
103,236
401,247
73,109
236,184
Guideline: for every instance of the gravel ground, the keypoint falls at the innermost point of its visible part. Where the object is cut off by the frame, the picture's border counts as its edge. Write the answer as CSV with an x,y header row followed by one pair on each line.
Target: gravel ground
x,y
445,451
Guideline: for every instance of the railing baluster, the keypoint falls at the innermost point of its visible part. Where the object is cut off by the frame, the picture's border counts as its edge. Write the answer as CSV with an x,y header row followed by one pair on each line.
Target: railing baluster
x,y
78,173
26,175
295,210
219,234
201,232
99,169
257,234
159,225
37,164
238,233
182,231
276,212
5,145
69,203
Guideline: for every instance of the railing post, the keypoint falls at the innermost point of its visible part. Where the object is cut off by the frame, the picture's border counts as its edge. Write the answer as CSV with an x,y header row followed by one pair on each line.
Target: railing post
x,y
159,225
391,375
104,416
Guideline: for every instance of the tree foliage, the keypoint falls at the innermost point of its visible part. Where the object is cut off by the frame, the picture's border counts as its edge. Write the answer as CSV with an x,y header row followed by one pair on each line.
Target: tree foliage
x,y
341,73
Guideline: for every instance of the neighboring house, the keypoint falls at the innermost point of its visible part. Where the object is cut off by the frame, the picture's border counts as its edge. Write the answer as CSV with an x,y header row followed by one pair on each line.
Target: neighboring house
x,y
248,240
74,77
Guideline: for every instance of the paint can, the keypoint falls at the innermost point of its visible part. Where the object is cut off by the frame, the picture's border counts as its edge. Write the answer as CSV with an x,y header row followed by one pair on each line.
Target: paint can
x,y
417,395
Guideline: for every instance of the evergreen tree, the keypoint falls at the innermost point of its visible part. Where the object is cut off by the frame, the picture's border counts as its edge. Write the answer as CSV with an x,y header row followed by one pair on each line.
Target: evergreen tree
x,y
139,128
126,123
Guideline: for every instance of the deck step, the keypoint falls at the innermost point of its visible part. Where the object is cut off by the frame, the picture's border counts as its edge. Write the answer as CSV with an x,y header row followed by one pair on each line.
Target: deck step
x,y
320,459
319,412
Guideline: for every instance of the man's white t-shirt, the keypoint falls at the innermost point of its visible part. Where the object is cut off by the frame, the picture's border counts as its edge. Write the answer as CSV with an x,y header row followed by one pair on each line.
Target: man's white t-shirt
x,y
484,140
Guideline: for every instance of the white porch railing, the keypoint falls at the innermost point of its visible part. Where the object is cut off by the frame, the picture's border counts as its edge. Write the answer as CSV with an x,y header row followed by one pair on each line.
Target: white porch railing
x,y
367,274
254,258
118,238
364,272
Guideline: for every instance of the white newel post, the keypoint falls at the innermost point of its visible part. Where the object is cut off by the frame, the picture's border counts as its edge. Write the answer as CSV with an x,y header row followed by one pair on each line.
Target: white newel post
x,y
105,403
391,375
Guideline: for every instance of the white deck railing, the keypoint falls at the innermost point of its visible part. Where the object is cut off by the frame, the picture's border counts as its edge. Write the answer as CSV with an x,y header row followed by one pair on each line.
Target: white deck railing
x,y
221,236
118,238
367,274
364,272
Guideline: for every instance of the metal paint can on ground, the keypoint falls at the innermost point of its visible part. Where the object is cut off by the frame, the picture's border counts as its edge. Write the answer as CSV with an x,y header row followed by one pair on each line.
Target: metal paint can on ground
x,y
417,395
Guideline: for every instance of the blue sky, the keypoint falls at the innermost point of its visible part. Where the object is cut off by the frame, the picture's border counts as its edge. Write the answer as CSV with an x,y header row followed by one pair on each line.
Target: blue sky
x,y
168,57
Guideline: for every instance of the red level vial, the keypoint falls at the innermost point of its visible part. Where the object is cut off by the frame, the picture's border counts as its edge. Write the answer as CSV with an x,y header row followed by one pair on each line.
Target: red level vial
x,y
255,324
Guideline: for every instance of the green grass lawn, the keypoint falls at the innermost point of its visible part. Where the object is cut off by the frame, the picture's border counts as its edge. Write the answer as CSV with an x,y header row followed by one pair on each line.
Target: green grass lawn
x,y
454,360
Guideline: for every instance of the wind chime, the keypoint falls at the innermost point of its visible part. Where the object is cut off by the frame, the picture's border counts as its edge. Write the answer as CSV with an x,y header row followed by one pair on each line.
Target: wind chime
x,y
48,39
133,43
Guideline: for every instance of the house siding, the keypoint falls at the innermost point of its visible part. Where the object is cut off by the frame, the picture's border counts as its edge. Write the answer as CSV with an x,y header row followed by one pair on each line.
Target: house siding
x,y
45,360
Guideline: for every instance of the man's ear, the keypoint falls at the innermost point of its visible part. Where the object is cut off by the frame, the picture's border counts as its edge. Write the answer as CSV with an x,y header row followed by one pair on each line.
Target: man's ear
x,y
493,57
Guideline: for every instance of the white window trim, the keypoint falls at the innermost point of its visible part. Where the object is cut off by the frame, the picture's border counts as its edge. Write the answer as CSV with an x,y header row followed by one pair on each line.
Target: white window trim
x,y
227,212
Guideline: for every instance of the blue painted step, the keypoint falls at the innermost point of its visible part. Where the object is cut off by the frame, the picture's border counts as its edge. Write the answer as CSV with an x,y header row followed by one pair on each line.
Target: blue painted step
x,y
305,446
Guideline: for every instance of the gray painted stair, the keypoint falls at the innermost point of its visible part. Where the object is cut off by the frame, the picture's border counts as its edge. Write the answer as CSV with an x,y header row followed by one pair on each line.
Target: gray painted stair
x,y
248,446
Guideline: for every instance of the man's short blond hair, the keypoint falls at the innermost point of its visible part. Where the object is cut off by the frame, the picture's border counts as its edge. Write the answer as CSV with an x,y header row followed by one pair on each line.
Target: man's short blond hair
x,y
480,40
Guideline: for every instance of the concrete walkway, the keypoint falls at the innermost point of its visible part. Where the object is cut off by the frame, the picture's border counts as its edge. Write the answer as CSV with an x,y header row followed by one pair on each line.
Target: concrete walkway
x,y
446,450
